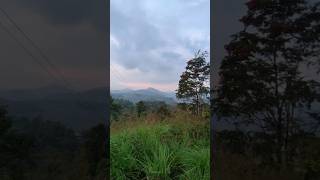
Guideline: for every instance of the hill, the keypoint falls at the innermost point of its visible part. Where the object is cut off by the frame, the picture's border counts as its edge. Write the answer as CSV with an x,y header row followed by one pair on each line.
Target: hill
x,y
77,110
149,94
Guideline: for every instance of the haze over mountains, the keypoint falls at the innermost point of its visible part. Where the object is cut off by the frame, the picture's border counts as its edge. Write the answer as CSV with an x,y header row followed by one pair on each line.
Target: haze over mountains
x,y
76,109
149,94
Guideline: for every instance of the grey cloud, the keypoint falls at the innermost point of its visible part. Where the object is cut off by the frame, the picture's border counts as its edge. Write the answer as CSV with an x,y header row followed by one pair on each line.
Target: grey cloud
x,y
139,40
226,15
136,33
69,12
155,42
171,55
73,41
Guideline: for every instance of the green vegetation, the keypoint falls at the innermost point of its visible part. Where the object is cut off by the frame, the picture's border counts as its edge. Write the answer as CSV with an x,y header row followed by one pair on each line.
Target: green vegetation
x,y
154,140
193,83
166,149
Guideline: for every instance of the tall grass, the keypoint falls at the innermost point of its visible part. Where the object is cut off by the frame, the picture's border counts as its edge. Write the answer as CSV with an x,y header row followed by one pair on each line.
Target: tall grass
x,y
161,151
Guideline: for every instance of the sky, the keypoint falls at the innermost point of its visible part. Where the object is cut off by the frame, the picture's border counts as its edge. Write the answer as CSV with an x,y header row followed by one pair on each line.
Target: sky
x,y
225,18
71,33
151,41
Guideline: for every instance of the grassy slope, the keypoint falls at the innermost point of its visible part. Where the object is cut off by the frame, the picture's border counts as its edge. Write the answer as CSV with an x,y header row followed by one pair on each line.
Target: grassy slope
x,y
175,149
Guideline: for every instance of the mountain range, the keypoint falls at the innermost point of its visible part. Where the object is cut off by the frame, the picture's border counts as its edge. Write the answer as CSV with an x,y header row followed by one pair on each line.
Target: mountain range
x,y
76,109
149,94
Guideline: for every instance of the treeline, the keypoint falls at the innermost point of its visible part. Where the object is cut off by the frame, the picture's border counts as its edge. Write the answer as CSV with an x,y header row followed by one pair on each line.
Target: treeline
x,y
124,110
192,93
39,149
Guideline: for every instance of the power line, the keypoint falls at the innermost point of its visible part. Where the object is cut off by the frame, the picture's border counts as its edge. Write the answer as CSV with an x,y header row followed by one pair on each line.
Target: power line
x,y
39,61
44,56
115,70
27,51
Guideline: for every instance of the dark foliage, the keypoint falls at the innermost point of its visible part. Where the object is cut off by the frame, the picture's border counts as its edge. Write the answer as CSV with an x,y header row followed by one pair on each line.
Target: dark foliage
x,y
37,149
263,84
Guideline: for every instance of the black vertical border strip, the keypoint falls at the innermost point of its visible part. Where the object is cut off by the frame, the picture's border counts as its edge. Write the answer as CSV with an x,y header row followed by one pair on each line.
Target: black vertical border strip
x,y
107,38
212,71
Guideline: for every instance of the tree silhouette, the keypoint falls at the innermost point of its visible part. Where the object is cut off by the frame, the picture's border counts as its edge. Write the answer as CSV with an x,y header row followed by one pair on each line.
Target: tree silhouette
x,y
193,83
15,158
95,146
262,83
4,121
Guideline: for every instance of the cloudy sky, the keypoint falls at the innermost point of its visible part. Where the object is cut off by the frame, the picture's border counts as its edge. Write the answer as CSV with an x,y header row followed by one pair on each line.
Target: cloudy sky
x,y
151,41
71,33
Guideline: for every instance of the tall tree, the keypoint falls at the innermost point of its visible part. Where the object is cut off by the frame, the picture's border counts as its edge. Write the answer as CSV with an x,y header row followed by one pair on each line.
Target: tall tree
x,y
261,78
193,84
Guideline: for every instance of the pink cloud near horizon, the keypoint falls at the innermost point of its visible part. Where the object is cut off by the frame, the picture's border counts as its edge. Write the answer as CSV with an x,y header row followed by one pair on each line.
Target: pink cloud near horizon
x,y
144,85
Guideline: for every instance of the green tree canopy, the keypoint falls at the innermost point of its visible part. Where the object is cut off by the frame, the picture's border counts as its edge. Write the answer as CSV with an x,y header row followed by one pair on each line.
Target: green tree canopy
x,y
193,84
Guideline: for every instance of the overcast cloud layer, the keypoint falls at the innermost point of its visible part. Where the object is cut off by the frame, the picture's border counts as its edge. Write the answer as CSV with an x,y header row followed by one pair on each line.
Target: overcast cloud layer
x,y
72,33
151,41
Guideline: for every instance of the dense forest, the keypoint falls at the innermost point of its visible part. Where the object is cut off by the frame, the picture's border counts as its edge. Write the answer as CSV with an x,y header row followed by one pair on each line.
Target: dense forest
x,y
39,149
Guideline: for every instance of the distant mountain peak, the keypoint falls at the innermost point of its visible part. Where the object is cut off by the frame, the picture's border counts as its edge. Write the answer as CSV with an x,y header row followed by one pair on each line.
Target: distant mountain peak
x,y
147,94
152,89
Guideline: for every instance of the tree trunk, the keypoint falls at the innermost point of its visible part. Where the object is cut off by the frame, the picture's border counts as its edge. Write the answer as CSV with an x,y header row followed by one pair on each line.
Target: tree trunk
x,y
280,139
197,104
